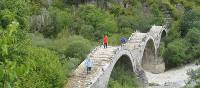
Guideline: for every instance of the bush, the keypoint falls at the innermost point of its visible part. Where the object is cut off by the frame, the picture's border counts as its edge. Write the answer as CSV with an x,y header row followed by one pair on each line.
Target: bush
x,y
116,9
126,21
87,31
78,47
26,66
98,19
173,32
44,70
194,81
174,54
70,64
51,22
19,9
189,20
193,38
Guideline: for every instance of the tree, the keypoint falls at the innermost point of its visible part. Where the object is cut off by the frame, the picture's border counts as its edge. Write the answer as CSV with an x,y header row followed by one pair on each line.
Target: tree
x,y
193,38
78,47
174,54
189,20
101,21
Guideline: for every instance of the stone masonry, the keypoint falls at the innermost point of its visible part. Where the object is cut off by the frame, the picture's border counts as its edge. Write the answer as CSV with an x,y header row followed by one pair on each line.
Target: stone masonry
x,y
141,48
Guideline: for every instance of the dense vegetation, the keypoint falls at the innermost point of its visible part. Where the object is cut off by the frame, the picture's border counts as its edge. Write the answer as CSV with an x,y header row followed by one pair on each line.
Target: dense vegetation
x,y
42,41
182,43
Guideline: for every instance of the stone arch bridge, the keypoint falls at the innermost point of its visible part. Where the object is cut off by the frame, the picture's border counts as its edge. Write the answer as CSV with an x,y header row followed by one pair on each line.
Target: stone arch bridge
x,y
141,51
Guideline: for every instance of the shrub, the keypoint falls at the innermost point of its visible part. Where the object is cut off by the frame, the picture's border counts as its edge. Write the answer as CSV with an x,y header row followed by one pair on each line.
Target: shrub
x,y
125,21
116,9
43,70
188,21
100,20
194,81
78,47
51,22
87,31
173,32
175,53
60,19
193,38
70,64
19,9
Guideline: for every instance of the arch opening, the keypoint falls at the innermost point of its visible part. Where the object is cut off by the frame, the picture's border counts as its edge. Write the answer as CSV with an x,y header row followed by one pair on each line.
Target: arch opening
x,y
148,59
163,35
161,48
122,75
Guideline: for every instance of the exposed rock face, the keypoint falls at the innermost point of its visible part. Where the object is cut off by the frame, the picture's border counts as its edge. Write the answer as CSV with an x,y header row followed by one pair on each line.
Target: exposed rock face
x,y
141,49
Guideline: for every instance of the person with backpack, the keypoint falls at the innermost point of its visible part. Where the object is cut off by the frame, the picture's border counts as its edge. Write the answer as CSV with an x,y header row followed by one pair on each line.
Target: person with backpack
x,y
123,41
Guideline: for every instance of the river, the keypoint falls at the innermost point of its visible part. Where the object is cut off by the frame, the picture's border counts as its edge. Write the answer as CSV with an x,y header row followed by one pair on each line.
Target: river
x,y
173,78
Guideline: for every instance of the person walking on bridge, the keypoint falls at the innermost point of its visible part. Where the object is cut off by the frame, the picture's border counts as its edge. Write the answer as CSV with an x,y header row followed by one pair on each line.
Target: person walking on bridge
x,y
105,41
123,41
88,64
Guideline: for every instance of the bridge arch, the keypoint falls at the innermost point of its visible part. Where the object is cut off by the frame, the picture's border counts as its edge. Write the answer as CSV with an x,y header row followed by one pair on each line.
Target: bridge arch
x,y
123,67
120,55
149,54
163,34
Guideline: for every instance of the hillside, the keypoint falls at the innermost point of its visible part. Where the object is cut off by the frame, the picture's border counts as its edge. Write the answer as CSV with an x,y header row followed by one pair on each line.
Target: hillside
x,y
43,41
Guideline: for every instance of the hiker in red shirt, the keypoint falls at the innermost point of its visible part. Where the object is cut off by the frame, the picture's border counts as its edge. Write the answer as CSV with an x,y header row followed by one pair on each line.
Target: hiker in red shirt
x,y
105,41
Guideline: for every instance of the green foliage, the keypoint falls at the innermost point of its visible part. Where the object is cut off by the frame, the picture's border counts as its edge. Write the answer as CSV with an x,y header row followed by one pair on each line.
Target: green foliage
x,y
22,65
162,49
70,64
13,23
51,23
10,49
27,67
87,30
194,81
6,18
173,32
61,19
96,21
126,22
70,46
40,4
193,38
19,9
189,20
44,70
78,47
175,53
116,9
145,15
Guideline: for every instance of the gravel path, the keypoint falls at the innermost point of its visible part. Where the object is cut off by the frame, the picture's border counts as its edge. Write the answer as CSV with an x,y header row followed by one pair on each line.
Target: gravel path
x,y
174,78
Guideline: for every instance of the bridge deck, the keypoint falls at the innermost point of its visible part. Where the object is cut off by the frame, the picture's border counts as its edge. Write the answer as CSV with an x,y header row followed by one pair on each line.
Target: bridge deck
x,y
100,59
